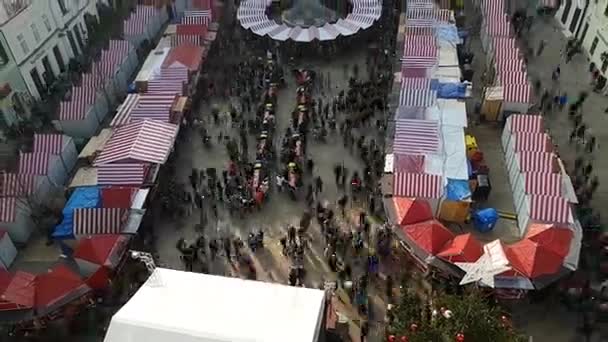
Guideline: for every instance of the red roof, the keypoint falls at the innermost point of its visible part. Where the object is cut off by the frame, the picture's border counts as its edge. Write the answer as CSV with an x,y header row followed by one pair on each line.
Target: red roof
x,y
117,197
532,259
189,56
412,210
430,235
16,291
100,249
191,30
554,238
57,286
463,248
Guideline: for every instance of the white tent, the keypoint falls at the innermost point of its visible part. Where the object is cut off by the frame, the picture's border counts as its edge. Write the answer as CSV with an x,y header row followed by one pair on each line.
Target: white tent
x,y
189,307
8,252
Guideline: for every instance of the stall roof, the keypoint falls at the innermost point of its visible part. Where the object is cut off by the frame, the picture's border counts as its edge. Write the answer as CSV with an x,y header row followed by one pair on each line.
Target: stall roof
x,y
227,310
152,64
96,143
189,56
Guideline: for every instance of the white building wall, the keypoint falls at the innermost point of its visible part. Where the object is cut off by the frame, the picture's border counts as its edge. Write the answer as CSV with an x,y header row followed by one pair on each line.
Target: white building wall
x,y
597,31
580,4
51,24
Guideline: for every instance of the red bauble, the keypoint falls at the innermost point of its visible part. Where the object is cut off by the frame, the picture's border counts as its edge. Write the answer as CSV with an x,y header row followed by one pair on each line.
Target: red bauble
x,y
404,339
413,327
460,337
392,338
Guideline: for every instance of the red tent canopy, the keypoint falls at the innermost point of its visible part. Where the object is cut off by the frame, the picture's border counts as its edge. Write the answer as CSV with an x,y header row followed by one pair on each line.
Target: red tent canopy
x,y
533,260
430,235
16,291
412,210
189,56
117,197
58,287
463,248
104,250
551,237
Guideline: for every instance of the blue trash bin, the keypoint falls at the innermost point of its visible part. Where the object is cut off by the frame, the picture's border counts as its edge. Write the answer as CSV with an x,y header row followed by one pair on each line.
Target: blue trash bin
x,y
484,220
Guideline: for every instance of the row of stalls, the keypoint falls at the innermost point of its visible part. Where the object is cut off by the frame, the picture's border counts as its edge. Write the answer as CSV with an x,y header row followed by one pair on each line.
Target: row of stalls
x,y
427,175
114,178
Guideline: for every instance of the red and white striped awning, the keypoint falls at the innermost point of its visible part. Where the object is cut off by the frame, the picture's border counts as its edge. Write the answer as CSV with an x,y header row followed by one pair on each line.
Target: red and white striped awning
x,y
8,209
419,31
16,185
170,81
417,98
199,17
150,113
81,101
415,83
416,137
507,54
536,161
418,62
421,23
184,39
136,23
34,163
507,65
499,27
526,123
513,77
519,93
121,174
93,80
154,107
431,13
143,141
542,183
123,113
417,185
493,10
533,142
444,16
504,43
420,46
97,221
414,71
48,143
550,209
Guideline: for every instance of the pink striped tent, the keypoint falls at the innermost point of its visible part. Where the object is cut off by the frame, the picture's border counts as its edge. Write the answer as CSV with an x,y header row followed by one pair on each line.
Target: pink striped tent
x,y
541,183
513,77
17,185
416,137
81,102
48,143
550,209
171,81
525,123
419,31
187,40
498,27
420,46
154,107
506,54
431,13
121,174
413,62
418,98
8,209
508,65
517,93
137,22
415,83
493,9
536,162
34,163
199,17
123,113
421,23
414,71
535,142
98,221
417,185
143,141
94,80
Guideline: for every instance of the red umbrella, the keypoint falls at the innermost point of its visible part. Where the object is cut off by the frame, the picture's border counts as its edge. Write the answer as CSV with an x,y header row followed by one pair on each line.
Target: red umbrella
x,y
16,296
532,259
463,248
554,238
58,287
430,235
411,210
104,250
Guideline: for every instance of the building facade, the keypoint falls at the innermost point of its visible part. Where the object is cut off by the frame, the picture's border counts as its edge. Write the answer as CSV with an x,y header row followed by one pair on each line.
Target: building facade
x,y
594,34
571,14
38,39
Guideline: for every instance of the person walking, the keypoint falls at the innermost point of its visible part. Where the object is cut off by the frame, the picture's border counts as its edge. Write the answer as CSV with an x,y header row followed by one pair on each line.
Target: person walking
x,y
541,47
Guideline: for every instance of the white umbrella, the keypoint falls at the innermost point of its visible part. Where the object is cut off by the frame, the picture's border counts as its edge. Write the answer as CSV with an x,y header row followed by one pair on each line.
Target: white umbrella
x,y
314,33
295,32
483,270
345,28
360,20
328,32
243,13
303,36
280,33
250,22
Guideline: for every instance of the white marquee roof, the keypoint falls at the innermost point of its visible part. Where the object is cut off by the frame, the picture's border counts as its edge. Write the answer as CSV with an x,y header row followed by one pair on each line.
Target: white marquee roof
x,y
191,307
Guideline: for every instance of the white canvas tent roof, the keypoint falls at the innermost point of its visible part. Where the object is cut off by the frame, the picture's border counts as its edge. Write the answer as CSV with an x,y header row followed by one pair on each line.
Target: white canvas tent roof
x,y
190,307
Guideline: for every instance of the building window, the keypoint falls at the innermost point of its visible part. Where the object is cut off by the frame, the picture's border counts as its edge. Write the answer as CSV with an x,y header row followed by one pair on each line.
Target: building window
x,y
3,55
593,46
72,43
37,81
64,10
606,11
23,44
604,65
78,36
46,22
59,58
35,32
